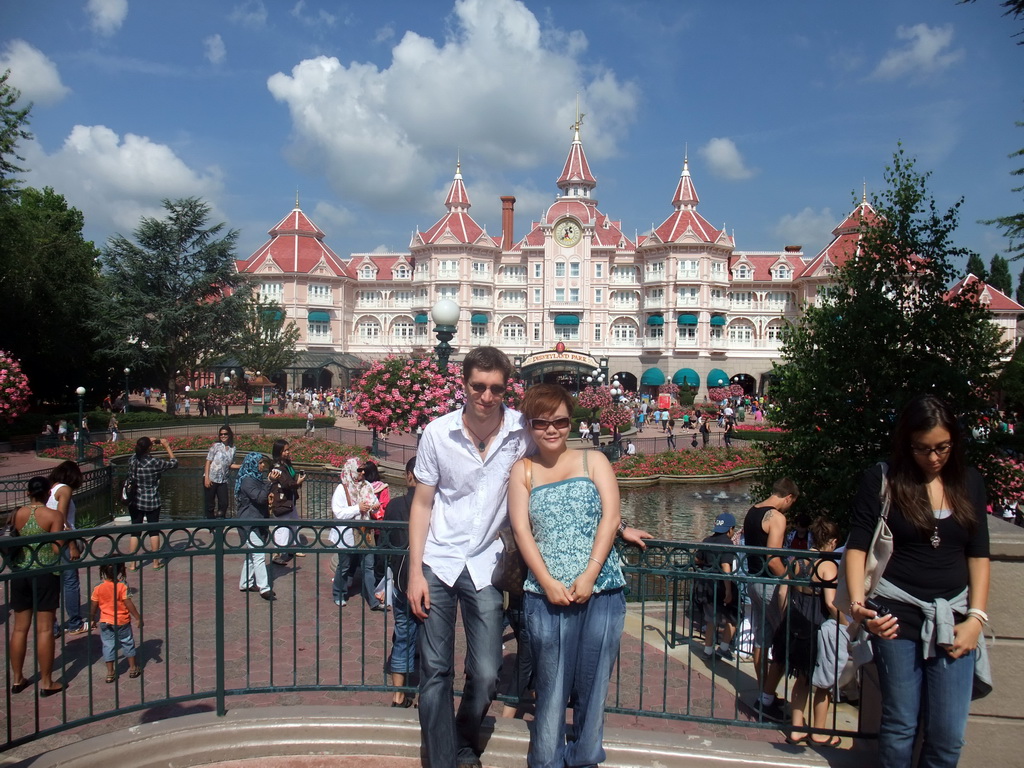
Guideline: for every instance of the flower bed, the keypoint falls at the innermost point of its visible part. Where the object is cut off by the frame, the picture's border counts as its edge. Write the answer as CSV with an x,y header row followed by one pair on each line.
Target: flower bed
x,y
304,450
706,461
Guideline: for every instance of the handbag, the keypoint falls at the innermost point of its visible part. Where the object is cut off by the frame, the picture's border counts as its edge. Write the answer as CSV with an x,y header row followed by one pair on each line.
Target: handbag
x,y
129,490
9,547
510,569
878,553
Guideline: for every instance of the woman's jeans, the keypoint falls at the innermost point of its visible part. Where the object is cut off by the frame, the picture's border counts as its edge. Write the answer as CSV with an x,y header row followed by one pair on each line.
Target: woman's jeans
x,y
71,599
403,644
936,690
574,650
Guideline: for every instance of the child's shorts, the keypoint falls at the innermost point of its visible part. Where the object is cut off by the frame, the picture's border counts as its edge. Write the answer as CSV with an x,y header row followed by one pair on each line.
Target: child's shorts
x,y
114,636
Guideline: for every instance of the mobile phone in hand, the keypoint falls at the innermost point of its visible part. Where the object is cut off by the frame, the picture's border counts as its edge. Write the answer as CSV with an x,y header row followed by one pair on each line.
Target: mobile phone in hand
x,y
878,607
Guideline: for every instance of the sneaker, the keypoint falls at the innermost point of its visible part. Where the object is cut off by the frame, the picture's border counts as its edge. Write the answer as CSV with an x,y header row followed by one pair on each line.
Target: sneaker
x,y
340,603
773,711
726,655
80,631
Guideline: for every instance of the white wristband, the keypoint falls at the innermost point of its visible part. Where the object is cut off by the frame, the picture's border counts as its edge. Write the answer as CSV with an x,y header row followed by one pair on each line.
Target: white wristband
x,y
978,614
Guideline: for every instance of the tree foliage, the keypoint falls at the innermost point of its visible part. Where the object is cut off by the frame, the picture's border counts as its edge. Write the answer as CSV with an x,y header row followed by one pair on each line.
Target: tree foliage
x,y
999,275
266,340
1013,224
887,333
171,298
976,267
47,271
12,130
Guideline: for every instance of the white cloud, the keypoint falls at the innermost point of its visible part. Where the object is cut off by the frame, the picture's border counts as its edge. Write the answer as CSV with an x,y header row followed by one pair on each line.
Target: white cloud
x,y
251,13
32,73
724,160
334,220
107,15
115,181
926,52
496,86
809,228
214,50
384,34
319,19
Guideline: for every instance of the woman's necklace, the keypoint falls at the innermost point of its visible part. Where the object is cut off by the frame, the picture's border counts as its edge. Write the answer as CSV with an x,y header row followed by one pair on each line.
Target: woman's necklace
x,y
481,441
936,539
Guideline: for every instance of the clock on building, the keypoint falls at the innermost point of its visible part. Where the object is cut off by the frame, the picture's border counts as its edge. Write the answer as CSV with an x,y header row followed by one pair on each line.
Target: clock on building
x,y
567,233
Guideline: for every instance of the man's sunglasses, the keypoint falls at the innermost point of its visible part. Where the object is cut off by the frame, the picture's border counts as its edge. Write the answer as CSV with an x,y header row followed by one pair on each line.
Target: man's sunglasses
x,y
496,389
543,424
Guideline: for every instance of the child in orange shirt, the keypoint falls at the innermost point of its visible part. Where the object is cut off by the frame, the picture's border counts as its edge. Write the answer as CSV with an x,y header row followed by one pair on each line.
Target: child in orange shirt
x,y
114,610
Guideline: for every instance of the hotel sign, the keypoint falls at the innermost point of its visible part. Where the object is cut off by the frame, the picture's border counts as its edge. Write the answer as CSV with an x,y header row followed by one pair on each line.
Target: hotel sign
x,y
560,356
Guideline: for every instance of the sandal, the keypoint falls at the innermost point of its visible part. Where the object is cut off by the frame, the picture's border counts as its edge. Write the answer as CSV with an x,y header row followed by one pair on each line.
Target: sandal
x,y
157,565
135,672
797,742
111,678
133,566
833,741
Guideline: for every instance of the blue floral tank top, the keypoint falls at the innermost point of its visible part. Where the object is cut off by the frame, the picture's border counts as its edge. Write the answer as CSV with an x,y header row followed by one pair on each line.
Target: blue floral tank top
x,y
564,516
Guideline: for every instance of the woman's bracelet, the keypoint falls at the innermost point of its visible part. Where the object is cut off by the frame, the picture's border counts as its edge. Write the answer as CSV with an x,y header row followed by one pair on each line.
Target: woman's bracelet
x,y
595,560
979,614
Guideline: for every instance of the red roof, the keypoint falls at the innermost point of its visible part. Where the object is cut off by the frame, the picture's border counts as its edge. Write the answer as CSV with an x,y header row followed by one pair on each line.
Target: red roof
x,y
763,263
296,246
576,169
846,240
686,193
685,221
457,223
994,299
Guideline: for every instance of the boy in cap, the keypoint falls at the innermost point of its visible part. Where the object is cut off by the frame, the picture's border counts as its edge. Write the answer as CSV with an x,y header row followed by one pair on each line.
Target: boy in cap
x,y
718,596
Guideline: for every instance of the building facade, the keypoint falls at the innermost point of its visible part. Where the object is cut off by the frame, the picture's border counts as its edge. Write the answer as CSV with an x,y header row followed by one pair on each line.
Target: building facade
x,y
681,304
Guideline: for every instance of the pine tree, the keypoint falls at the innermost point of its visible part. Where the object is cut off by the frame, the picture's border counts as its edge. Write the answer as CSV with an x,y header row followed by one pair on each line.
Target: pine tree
x,y
999,275
976,267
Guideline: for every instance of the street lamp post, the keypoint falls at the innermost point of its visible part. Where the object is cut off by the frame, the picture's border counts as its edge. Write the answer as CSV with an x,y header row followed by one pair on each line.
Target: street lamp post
x,y
445,314
227,383
81,419
126,372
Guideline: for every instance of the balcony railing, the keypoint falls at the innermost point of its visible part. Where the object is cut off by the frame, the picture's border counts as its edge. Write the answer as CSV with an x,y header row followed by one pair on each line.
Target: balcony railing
x,y
512,279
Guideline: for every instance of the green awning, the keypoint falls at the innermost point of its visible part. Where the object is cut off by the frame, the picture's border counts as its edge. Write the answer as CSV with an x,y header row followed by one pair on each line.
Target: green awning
x,y
653,377
686,377
273,315
567,320
687,320
319,317
656,320
717,320
422,319
718,378
480,319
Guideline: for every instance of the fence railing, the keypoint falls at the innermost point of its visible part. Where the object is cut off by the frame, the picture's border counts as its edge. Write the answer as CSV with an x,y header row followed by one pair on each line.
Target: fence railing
x,y
204,639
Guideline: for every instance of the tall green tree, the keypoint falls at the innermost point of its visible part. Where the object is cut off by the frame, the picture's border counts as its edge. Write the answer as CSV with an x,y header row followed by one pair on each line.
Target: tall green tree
x,y
1013,224
999,275
266,340
47,272
173,294
1020,288
886,334
976,267
12,130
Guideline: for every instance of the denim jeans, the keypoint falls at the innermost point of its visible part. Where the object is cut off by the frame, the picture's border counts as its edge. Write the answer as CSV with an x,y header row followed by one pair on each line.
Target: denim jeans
x,y
403,643
574,650
340,585
938,688
449,738
254,569
369,580
71,599
114,637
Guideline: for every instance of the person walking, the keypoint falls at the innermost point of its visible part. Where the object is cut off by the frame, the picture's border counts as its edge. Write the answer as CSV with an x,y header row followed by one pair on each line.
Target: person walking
x,y
145,471
401,661
928,645
670,434
252,492
112,611
285,497
564,509
215,473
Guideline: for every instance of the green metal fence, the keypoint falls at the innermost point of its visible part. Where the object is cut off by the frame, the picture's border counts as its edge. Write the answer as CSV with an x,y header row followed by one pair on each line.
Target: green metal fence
x,y
204,640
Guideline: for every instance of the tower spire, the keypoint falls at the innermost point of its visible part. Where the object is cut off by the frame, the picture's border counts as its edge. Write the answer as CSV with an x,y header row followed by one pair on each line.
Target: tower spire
x,y
576,179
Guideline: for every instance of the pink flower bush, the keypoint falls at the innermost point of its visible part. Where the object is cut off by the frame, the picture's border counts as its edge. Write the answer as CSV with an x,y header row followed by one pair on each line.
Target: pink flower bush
x,y
718,394
616,415
14,389
400,394
707,461
1004,478
595,397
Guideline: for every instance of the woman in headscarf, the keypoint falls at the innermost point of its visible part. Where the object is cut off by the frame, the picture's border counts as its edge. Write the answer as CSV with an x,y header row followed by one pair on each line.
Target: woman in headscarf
x,y
360,492
252,492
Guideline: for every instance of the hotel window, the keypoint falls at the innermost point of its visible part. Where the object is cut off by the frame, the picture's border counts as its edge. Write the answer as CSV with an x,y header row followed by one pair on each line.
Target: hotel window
x,y
369,330
537,296
271,291
402,272
599,295
478,331
599,270
741,333
687,295
687,268
656,269
559,294
538,269
655,331
597,331
783,272
480,294
559,269
403,330
319,293
481,269
512,331
716,333
717,294
567,332
536,331
319,331
718,270
367,272
687,334
403,298
624,333
574,295
448,292
774,332
742,272
741,298
574,269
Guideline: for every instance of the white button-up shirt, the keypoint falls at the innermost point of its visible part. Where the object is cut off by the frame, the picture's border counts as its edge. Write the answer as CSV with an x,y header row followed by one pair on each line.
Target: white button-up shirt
x,y
470,494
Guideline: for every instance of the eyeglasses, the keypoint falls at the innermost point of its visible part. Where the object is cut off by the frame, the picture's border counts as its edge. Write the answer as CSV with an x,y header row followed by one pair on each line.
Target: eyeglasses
x,y
224,434
360,469
496,389
542,425
938,450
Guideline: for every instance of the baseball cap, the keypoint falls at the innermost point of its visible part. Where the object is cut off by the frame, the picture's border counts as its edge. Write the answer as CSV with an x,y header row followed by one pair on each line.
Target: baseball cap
x,y
724,522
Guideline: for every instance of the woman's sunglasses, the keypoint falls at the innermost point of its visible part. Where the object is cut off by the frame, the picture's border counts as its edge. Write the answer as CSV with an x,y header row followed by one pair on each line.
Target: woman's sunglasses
x,y
543,424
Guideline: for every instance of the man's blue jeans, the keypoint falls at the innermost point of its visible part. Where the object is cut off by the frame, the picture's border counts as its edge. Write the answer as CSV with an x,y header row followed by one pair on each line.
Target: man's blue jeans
x,y
574,650
938,689
449,738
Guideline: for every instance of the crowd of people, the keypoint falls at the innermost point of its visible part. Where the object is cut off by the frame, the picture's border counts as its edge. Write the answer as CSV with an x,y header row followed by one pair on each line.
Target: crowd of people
x,y
485,470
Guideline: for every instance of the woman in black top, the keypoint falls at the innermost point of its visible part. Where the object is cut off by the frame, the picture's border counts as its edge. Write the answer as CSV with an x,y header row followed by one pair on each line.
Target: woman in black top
x,y
940,561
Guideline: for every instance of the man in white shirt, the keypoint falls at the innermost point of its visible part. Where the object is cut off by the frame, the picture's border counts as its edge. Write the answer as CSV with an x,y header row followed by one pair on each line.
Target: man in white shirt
x,y
462,470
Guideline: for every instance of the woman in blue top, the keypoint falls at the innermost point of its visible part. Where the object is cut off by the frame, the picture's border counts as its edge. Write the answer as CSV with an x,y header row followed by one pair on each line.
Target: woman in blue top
x,y
564,509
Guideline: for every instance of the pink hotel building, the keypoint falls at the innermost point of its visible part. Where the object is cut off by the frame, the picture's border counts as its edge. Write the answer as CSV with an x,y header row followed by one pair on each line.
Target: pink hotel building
x,y
681,304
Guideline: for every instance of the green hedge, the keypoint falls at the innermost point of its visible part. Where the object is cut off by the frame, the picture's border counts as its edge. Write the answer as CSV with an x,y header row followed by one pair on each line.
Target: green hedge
x,y
284,422
753,434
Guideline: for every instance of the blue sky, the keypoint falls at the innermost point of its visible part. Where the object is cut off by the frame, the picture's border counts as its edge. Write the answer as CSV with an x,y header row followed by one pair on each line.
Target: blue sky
x,y
784,108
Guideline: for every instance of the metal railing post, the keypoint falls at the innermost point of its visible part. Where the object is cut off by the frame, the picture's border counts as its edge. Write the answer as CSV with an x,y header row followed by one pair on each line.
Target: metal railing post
x,y
219,531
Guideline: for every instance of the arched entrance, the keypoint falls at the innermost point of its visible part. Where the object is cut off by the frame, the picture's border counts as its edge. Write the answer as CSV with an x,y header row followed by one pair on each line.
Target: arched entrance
x,y
746,381
561,366
628,380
